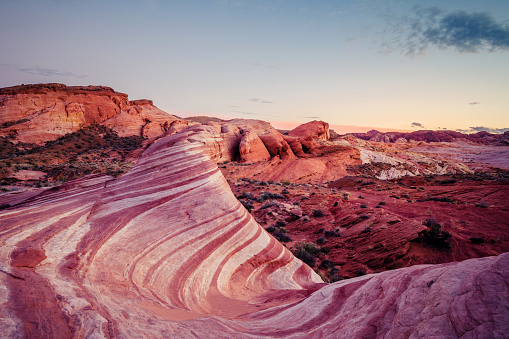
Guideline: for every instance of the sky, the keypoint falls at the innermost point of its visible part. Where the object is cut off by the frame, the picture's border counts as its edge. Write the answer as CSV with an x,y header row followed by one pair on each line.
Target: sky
x,y
394,64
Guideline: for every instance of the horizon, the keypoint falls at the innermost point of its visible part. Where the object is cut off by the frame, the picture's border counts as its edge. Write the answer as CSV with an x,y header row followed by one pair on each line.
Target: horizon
x,y
393,65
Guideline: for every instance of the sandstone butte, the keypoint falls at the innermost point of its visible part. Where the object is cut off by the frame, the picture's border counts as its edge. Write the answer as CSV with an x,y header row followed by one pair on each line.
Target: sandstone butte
x,y
166,250
43,112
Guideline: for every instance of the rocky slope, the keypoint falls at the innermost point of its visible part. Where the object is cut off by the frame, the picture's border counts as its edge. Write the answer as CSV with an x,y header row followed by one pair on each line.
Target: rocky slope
x,y
167,251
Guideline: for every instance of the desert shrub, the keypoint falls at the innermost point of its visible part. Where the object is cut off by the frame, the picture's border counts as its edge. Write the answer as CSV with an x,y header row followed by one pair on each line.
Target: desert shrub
x,y
305,256
281,223
329,234
285,191
304,198
447,181
477,241
367,229
308,247
325,249
321,240
336,204
268,204
482,204
296,203
268,195
364,206
381,203
305,218
434,236
334,276
317,213
327,264
360,272
246,195
363,216
361,197
320,230
282,237
271,229
441,199
4,206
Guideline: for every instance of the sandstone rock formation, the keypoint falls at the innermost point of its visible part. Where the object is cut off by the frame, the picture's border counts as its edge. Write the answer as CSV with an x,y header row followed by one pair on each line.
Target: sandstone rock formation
x,y
167,251
314,129
43,112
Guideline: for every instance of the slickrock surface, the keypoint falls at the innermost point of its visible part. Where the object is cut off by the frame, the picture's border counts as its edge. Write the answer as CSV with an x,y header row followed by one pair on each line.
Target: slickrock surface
x,y
167,251
43,112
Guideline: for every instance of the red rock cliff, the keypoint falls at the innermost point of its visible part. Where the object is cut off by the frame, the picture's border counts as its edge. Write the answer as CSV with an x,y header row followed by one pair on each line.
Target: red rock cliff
x,y
42,112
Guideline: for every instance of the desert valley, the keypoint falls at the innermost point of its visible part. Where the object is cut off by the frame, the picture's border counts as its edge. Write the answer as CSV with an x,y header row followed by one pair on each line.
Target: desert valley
x,y
119,220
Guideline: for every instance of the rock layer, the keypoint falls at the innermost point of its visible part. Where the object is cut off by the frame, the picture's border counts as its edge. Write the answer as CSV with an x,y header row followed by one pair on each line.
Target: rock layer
x,y
167,251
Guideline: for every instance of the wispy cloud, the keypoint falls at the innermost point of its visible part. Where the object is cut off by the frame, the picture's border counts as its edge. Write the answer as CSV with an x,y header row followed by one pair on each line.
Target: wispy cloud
x,y
47,72
474,103
261,101
416,125
304,117
460,30
256,114
259,64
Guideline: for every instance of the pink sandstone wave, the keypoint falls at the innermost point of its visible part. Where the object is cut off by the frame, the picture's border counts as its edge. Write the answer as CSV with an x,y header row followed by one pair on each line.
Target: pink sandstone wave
x,y
167,251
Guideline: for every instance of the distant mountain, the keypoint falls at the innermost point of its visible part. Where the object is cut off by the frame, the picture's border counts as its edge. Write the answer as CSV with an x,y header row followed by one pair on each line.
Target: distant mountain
x,y
435,136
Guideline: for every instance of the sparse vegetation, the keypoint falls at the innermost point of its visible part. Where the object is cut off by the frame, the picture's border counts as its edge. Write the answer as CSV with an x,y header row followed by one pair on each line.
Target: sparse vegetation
x,y
321,240
482,204
318,213
434,236
306,252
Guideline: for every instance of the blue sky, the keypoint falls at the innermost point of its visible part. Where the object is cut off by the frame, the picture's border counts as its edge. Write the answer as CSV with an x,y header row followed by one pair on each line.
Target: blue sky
x,y
387,64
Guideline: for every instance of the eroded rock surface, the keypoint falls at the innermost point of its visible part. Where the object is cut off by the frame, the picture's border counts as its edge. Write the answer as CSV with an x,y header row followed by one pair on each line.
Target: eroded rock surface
x,y
167,251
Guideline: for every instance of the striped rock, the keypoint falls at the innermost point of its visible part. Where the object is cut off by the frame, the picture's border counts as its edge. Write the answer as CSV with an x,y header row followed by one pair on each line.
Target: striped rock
x,y
167,251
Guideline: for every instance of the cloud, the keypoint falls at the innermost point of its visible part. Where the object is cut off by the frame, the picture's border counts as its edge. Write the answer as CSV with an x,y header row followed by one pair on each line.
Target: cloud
x,y
489,129
416,125
483,129
474,103
261,101
462,31
259,64
308,117
256,114
47,72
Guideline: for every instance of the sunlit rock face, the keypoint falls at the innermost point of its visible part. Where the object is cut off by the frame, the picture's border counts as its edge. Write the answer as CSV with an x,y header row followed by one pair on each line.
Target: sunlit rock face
x,y
314,129
167,251
43,112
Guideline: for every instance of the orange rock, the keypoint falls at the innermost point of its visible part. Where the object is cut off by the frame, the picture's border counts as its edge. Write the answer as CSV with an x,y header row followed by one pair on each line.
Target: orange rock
x,y
43,112
314,129
251,148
